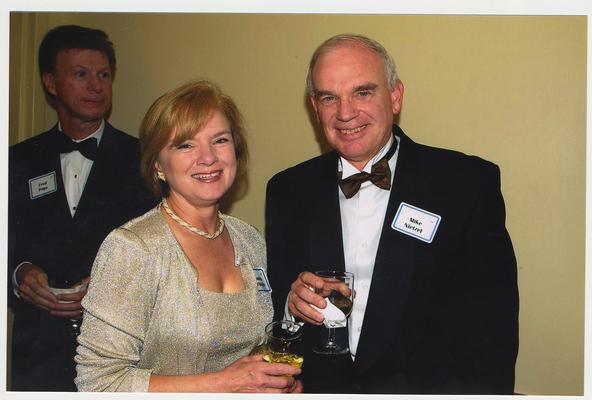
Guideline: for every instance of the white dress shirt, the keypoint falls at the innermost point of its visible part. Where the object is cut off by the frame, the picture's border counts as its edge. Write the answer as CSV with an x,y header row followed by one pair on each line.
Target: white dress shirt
x,y
362,218
75,171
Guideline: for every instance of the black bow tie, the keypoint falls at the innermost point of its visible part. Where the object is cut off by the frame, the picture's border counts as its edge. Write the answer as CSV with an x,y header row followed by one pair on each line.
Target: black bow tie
x,y
88,148
380,175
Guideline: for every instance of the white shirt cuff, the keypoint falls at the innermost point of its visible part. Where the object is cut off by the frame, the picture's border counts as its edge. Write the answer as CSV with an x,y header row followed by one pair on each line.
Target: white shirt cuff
x,y
15,285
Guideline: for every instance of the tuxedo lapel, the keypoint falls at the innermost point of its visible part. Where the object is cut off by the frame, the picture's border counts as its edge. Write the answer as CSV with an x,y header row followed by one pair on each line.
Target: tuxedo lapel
x,y
325,238
325,244
393,268
95,188
55,164
64,207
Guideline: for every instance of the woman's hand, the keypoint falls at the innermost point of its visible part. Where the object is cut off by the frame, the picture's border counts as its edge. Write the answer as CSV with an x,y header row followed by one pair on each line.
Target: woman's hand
x,y
251,374
297,387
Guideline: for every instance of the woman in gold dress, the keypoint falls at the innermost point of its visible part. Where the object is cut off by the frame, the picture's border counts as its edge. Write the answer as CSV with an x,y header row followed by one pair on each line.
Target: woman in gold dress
x,y
178,297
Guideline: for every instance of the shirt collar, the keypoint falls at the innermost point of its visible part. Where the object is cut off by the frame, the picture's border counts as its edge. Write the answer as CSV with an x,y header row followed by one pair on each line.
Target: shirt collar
x,y
348,170
98,134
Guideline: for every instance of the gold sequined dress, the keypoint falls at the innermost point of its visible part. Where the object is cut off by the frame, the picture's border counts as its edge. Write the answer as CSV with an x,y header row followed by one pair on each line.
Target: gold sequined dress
x,y
145,313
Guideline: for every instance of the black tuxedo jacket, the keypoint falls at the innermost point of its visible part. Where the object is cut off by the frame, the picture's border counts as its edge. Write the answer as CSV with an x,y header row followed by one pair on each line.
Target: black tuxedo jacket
x,y
441,317
42,231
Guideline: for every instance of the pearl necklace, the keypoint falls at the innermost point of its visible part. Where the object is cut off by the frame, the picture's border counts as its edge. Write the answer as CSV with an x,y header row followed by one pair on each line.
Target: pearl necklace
x,y
192,228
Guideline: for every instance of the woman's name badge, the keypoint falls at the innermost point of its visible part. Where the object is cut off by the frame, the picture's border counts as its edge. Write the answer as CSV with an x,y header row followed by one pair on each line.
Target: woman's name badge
x,y
415,222
262,281
42,185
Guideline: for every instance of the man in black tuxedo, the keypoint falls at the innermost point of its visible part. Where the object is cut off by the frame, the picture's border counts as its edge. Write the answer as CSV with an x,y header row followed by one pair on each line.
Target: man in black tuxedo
x,y
436,297
68,188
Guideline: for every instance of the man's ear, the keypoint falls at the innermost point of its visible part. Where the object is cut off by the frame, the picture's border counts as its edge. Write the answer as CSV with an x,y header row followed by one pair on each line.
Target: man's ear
x,y
397,97
313,102
49,83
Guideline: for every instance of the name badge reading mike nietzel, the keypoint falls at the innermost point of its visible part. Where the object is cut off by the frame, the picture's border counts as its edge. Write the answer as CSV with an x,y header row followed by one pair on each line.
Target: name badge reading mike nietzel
x,y
262,281
42,185
415,222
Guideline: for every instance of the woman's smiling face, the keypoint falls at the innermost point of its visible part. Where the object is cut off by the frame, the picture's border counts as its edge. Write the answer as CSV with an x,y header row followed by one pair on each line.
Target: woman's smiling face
x,y
202,168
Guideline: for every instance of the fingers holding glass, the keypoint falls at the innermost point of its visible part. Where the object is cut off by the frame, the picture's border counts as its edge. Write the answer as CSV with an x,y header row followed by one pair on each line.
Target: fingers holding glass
x,y
338,291
283,343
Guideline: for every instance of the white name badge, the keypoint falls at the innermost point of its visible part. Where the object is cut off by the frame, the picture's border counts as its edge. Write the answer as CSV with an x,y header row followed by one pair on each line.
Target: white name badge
x,y
262,281
415,222
42,185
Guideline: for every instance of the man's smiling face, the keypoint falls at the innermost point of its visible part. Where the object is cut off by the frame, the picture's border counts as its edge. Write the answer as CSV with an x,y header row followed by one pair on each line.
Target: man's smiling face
x,y
354,103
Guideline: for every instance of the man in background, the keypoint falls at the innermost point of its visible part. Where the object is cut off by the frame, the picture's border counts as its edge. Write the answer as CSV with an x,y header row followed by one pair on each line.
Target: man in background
x,y
423,230
68,188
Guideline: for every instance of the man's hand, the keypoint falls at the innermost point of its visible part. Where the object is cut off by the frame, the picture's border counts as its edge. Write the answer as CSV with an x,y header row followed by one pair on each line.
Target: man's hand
x,y
34,288
302,294
69,303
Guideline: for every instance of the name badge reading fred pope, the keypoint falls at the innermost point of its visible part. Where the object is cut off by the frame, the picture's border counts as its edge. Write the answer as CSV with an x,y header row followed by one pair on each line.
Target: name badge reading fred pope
x,y
262,281
42,185
415,222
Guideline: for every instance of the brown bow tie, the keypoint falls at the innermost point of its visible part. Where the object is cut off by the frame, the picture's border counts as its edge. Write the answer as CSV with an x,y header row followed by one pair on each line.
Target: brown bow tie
x,y
380,175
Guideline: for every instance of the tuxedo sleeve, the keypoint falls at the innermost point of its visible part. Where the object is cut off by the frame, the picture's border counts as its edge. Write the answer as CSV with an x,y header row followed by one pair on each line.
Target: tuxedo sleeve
x,y
488,319
17,228
280,226
11,237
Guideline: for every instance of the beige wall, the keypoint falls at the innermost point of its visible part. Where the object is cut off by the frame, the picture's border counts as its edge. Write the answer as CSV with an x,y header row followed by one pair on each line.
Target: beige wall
x,y
510,89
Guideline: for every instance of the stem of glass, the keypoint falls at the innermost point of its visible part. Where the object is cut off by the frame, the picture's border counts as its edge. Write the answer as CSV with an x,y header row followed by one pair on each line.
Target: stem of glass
x,y
331,342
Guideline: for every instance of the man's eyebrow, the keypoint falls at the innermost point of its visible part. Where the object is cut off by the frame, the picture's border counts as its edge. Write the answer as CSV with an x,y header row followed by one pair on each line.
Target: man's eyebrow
x,y
362,87
86,67
319,93
365,86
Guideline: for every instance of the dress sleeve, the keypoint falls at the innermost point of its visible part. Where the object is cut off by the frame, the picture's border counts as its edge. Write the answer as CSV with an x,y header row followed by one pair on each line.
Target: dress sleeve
x,y
117,314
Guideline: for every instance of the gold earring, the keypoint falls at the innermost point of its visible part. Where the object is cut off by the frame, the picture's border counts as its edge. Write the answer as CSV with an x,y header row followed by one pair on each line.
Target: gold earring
x,y
160,175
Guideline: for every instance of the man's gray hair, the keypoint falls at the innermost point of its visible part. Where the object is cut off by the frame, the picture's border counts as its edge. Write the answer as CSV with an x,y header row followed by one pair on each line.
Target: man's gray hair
x,y
351,39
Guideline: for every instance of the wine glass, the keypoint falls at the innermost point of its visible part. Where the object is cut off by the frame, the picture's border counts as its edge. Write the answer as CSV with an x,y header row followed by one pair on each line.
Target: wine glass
x,y
65,286
283,343
338,289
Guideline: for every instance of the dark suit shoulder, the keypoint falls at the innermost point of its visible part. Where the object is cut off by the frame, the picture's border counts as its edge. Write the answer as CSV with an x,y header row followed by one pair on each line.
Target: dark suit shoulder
x,y
440,162
325,163
41,143
36,143
119,141
121,135
453,156
119,150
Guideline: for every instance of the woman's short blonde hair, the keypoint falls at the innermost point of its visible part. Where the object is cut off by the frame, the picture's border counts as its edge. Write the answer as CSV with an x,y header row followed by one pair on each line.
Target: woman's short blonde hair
x,y
183,112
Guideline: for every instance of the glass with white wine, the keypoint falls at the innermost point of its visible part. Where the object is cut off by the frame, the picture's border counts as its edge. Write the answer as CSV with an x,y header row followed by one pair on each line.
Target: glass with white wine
x,y
338,289
283,343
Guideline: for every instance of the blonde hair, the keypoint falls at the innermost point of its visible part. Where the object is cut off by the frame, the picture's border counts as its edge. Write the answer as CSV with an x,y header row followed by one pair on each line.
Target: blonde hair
x,y
183,112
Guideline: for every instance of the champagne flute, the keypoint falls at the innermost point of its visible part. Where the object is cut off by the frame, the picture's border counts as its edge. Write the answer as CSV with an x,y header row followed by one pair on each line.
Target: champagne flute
x,y
283,343
338,289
